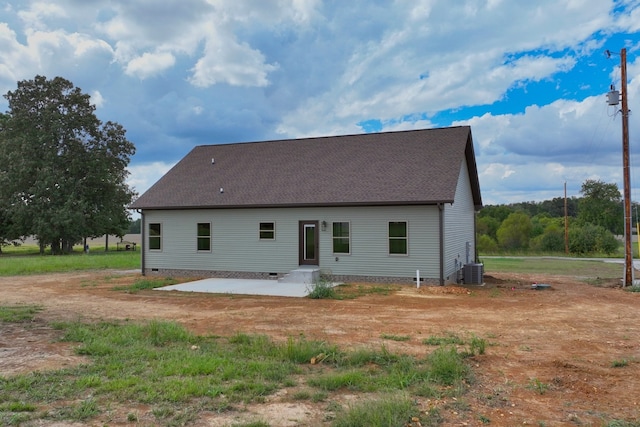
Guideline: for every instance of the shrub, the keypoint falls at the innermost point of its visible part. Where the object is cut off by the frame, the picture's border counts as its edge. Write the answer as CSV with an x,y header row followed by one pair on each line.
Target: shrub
x,y
447,366
322,289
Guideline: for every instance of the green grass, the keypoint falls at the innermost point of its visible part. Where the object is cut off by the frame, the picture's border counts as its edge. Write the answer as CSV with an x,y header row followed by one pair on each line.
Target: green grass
x,y
22,263
450,338
538,386
18,313
146,283
389,411
393,337
567,267
179,375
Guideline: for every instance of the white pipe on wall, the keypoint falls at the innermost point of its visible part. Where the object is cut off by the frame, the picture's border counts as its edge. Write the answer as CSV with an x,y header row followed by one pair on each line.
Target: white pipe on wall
x,y
417,278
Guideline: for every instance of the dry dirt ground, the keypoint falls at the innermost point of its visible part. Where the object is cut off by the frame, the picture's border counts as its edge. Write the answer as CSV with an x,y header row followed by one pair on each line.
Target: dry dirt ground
x,y
566,338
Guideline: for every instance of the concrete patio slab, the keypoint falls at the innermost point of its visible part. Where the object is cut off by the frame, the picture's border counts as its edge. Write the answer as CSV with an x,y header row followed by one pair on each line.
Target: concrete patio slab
x,y
242,287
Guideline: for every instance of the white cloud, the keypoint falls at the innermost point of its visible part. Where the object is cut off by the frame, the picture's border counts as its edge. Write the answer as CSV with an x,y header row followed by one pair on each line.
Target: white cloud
x,y
149,64
40,12
143,176
97,99
227,61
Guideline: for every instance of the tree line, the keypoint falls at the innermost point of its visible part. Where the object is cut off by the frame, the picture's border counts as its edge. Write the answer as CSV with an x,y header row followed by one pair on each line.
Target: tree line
x,y
62,170
594,221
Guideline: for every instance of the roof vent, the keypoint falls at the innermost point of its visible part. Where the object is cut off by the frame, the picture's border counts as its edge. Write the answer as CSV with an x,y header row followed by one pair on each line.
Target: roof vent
x,y
221,190
213,160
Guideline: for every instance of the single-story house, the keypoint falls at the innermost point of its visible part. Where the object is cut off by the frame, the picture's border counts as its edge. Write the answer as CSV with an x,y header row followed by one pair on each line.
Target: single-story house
x,y
385,207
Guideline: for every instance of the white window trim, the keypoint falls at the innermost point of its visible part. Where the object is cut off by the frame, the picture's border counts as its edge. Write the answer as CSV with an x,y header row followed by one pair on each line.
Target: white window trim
x,y
333,238
260,231
160,236
210,236
389,238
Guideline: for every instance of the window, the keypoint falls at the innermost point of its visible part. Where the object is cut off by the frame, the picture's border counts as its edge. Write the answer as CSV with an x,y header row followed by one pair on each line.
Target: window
x,y
204,236
267,230
155,236
398,238
341,238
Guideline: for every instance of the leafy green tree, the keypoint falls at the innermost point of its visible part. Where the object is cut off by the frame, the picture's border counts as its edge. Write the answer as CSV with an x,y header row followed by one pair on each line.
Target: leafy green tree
x,y
515,231
62,171
551,239
488,226
134,227
590,238
486,244
555,207
499,212
601,205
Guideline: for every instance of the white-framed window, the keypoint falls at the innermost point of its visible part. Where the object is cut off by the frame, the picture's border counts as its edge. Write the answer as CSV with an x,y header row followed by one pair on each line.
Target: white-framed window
x,y
267,230
398,238
204,237
155,236
341,233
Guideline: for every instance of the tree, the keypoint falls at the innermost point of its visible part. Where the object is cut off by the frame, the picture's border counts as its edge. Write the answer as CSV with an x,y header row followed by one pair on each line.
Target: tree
x,y
62,171
551,239
514,232
601,205
134,226
590,238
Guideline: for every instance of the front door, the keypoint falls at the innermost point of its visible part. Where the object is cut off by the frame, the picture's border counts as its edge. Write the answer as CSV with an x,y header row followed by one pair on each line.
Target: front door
x,y
308,243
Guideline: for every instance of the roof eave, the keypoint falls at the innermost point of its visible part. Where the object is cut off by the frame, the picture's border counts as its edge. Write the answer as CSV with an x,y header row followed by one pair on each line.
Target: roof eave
x,y
297,205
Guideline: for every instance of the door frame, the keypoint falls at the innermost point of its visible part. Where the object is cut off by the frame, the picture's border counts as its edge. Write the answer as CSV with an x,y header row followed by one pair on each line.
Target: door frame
x,y
302,226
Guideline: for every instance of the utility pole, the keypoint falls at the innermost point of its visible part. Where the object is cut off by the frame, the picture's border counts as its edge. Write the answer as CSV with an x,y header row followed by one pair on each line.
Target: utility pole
x,y
566,221
613,98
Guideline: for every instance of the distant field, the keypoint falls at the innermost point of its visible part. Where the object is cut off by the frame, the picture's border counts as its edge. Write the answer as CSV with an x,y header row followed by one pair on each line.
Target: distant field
x,y
25,259
99,241
567,267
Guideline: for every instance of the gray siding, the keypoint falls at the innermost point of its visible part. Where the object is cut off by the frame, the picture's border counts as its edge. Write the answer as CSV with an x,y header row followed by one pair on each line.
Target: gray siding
x,y
459,225
236,245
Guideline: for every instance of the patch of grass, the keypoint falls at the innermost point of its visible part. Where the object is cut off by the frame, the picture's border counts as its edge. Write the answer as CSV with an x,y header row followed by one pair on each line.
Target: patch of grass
x,y
146,283
632,289
319,396
554,266
477,345
484,420
83,411
17,407
179,375
447,366
322,289
253,424
301,350
354,380
449,339
395,337
619,363
350,291
16,265
623,423
538,386
392,411
18,313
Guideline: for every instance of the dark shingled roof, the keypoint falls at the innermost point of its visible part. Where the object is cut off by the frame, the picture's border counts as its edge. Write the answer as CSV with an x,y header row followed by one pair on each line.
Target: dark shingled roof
x,y
390,168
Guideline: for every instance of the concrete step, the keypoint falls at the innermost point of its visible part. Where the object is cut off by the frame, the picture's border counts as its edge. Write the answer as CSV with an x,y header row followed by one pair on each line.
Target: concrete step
x,y
306,275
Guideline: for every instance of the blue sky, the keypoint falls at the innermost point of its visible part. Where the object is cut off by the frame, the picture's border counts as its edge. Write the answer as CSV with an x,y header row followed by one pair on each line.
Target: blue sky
x,y
529,77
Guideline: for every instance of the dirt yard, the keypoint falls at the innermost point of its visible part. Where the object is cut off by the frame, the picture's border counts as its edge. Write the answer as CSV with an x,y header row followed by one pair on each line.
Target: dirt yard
x,y
549,361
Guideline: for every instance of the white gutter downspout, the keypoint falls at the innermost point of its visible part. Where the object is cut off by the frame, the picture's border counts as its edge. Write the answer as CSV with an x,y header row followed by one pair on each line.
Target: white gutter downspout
x,y
142,245
441,221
